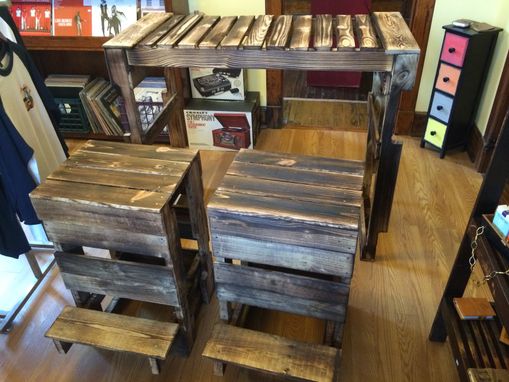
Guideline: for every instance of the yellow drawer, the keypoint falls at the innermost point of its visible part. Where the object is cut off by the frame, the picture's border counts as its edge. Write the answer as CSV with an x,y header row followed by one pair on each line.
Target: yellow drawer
x,y
435,133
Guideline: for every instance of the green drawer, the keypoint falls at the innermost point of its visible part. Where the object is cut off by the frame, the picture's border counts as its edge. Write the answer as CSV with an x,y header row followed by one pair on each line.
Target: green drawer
x,y
435,133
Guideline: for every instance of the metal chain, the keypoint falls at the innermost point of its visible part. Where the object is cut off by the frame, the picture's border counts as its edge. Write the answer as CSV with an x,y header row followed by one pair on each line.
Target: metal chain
x,y
473,260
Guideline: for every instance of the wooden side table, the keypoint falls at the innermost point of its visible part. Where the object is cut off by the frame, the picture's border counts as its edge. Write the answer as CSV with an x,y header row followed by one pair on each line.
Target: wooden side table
x,y
124,198
293,222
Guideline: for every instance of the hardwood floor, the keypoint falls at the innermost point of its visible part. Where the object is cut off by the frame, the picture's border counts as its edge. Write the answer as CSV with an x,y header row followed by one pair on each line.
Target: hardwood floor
x,y
392,302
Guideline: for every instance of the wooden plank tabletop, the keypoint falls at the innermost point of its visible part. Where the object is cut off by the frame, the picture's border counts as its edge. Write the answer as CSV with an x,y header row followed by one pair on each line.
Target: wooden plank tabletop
x,y
237,33
394,33
301,33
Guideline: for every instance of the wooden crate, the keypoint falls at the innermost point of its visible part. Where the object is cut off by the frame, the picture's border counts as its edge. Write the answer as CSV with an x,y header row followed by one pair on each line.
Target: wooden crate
x,y
293,222
126,198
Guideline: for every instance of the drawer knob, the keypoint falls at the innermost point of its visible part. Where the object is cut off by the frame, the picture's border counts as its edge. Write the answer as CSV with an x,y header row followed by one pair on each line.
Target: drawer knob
x,y
452,50
446,79
433,133
440,107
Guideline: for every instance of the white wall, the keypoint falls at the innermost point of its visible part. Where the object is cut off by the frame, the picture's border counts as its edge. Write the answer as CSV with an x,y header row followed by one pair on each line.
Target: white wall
x,y
256,78
494,12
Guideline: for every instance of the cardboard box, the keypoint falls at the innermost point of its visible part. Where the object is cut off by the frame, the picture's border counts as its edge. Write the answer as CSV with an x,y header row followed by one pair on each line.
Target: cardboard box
x,y
219,84
223,125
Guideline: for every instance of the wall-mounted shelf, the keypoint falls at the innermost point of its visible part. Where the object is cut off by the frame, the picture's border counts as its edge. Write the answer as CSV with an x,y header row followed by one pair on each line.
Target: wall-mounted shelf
x,y
67,43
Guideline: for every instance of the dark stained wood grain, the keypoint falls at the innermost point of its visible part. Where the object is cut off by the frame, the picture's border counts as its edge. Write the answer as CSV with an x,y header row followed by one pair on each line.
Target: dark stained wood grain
x,y
301,176
258,32
294,191
234,38
394,33
288,256
271,354
301,162
365,32
253,57
134,33
177,33
193,38
275,209
280,32
126,163
344,32
140,151
301,33
155,128
114,332
323,32
161,31
218,32
282,231
281,291
137,181
136,281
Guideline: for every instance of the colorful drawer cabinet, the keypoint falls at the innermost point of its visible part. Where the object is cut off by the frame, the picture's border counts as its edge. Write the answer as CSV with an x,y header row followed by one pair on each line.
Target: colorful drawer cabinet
x,y
461,73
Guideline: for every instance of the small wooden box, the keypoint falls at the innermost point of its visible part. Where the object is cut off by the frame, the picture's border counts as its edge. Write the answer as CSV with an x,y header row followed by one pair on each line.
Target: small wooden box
x,y
293,221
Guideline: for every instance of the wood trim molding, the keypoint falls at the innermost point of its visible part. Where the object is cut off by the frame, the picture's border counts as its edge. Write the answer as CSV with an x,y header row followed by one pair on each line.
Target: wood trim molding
x,y
495,121
420,25
475,144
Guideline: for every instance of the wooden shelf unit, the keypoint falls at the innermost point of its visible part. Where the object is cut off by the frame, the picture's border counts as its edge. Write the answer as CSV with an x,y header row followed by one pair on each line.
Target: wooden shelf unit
x,y
491,256
384,46
65,43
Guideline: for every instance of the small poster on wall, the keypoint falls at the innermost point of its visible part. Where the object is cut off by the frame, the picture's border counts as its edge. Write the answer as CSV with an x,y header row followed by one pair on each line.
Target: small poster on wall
x,y
32,17
72,17
110,17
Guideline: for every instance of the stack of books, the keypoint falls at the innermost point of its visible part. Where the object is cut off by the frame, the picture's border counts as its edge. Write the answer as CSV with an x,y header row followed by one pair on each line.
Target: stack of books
x,y
101,101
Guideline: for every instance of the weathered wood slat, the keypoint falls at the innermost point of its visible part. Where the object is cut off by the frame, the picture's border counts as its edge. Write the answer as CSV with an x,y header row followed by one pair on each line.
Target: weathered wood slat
x,y
234,38
282,231
284,255
394,33
136,181
280,32
257,34
301,32
218,32
323,32
114,332
134,33
143,282
161,31
272,354
304,162
275,208
294,191
253,57
71,213
177,33
365,32
326,179
193,38
126,163
281,291
344,33
97,195
140,151
98,237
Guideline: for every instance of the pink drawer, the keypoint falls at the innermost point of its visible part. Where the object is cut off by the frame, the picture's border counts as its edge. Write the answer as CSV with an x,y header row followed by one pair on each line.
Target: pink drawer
x,y
455,48
447,79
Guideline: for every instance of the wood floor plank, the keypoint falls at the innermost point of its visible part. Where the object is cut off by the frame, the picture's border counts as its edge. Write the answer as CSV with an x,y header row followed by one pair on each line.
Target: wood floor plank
x,y
277,355
114,332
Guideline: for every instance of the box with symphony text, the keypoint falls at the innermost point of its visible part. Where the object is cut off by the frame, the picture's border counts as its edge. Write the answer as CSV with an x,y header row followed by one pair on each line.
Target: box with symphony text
x,y
219,125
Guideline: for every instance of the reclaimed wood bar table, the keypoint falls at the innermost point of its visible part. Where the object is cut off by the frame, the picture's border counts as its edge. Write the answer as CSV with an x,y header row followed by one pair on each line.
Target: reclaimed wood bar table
x,y
124,198
293,222
380,43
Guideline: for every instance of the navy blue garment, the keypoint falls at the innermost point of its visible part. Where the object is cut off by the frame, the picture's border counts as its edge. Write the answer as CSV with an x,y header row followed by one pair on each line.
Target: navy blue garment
x,y
16,179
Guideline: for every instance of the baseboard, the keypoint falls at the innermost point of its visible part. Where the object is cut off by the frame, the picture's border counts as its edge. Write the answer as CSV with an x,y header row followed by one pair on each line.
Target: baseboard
x,y
475,144
419,124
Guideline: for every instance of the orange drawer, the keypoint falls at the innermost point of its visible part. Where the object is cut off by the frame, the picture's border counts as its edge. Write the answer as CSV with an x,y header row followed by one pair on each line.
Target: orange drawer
x,y
447,79
455,48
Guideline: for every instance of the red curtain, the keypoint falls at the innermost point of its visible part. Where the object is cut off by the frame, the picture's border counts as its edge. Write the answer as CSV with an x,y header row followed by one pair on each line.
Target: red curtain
x,y
337,7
